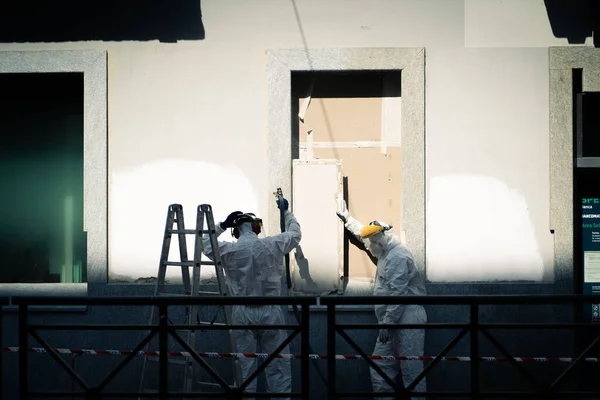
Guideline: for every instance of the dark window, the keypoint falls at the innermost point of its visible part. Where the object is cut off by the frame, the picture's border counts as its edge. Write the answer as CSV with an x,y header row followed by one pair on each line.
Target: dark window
x,y
590,124
41,178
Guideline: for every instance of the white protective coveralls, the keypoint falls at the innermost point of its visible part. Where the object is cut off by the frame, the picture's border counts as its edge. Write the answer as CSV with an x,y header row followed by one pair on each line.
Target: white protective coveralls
x,y
396,275
254,267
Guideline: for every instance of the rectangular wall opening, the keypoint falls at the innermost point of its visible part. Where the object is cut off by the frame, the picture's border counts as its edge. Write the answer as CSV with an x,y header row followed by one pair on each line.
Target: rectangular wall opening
x,y
589,144
41,178
353,117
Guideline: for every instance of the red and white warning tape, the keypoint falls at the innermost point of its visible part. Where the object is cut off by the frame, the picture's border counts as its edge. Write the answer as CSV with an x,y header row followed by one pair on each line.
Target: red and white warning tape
x,y
97,352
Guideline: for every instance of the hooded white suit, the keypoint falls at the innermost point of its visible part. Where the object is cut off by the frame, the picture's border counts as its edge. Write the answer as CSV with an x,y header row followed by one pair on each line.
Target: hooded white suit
x,y
254,267
396,275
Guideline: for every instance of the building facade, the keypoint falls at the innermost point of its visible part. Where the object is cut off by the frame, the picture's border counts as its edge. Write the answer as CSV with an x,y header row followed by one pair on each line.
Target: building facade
x,y
467,124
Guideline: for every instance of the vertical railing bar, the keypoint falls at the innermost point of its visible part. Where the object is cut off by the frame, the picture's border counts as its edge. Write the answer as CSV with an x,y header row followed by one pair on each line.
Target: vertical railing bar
x,y
1,342
331,331
475,362
23,346
305,345
163,345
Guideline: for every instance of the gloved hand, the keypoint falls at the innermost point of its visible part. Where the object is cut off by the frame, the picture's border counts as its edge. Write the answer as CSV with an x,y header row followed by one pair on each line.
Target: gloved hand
x,y
384,336
228,223
343,214
282,204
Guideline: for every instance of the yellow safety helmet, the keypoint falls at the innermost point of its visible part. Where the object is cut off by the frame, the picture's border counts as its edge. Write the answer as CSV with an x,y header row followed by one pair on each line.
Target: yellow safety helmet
x,y
372,229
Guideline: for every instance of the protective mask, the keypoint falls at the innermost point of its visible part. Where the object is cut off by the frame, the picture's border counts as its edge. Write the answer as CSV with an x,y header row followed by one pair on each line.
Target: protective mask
x,y
376,245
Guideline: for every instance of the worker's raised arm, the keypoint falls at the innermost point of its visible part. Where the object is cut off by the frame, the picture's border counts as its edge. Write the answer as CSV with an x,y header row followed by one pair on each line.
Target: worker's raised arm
x,y
207,248
220,227
290,239
353,225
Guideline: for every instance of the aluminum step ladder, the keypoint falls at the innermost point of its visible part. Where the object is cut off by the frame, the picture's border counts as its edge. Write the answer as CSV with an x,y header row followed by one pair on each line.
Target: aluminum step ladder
x,y
191,288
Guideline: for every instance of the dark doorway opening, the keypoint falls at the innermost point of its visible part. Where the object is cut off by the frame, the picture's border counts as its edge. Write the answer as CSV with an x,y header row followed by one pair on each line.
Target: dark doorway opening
x,y
346,119
589,118
41,178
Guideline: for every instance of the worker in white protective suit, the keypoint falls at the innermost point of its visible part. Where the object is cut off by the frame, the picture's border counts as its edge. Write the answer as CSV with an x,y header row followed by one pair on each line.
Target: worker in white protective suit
x,y
396,275
254,267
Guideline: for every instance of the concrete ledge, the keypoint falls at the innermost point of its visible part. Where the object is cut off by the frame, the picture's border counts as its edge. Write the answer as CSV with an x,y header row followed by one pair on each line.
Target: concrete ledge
x,y
573,57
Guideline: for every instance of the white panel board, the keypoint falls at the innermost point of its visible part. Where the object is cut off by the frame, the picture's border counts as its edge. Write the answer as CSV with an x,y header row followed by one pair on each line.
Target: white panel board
x,y
317,267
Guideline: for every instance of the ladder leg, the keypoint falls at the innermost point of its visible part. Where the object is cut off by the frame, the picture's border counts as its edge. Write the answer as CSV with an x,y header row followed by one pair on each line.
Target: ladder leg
x,y
160,279
198,247
189,336
191,368
185,271
164,254
207,209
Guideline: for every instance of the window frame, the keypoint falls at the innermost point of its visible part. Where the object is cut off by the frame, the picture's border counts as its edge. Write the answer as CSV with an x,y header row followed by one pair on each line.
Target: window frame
x,y
562,61
411,62
93,65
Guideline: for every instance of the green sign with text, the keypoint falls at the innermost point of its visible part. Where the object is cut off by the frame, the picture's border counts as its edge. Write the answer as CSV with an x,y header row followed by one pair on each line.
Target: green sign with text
x,y
590,217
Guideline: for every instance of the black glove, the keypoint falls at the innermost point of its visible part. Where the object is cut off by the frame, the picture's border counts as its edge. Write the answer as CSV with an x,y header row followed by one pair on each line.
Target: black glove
x,y
283,204
228,223
384,336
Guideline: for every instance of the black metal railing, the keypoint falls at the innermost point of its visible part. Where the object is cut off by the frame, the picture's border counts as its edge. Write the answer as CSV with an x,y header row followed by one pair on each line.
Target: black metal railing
x,y
163,329
473,328
4,301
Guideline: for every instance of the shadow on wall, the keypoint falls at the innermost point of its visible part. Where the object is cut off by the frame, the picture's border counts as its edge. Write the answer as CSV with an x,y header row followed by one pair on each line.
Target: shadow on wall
x,y
574,20
108,20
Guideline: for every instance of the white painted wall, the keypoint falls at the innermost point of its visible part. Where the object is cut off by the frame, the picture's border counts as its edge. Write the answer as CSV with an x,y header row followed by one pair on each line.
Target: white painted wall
x,y
187,121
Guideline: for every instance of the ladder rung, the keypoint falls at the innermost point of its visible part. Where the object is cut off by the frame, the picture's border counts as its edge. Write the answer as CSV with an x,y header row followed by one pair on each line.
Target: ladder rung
x,y
210,293
184,231
173,294
188,231
187,263
180,263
